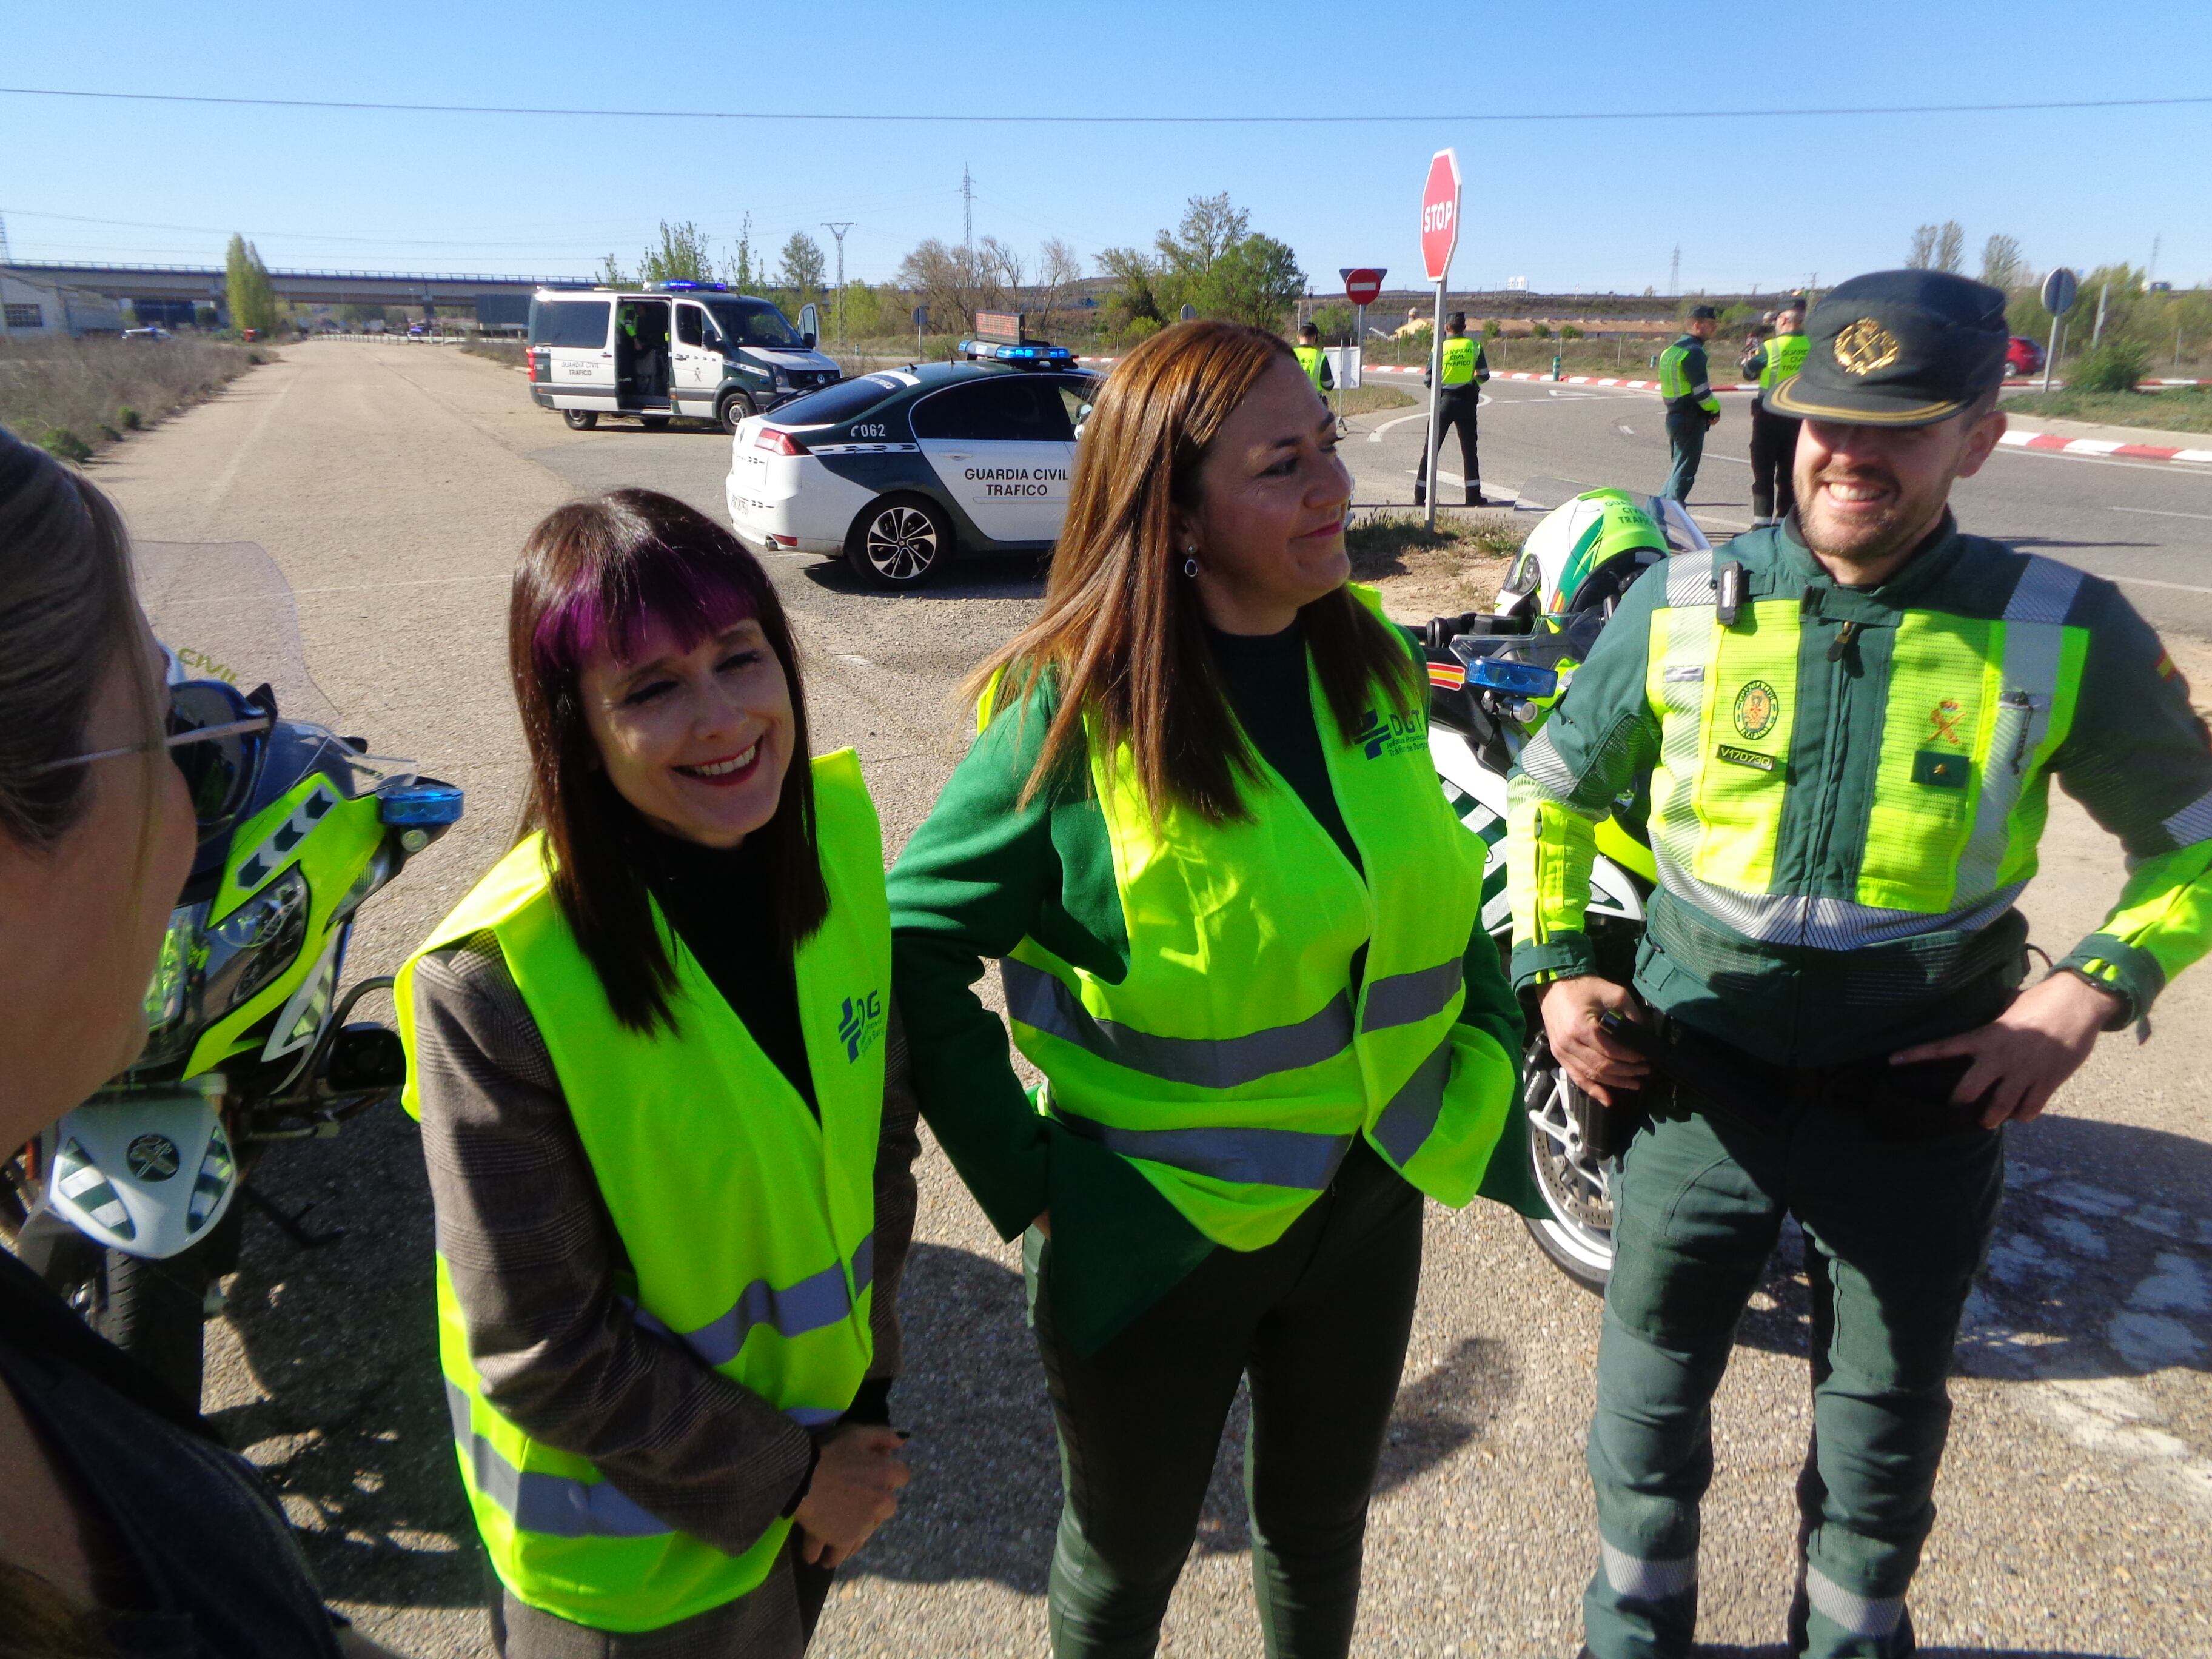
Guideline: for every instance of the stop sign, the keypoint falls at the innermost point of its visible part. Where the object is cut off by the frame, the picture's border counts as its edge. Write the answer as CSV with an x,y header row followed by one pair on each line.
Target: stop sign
x,y
1440,214
1363,285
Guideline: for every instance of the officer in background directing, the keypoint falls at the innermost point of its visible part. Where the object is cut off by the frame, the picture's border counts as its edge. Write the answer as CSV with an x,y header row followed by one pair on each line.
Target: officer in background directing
x,y
1686,388
1774,435
1851,736
1465,367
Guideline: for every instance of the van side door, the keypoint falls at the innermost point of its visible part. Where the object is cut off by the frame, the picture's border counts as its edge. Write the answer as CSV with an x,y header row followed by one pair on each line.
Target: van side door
x,y
578,353
698,366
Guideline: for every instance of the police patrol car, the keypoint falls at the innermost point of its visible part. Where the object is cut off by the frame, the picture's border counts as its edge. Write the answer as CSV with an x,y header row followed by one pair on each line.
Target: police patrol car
x,y
898,471
669,348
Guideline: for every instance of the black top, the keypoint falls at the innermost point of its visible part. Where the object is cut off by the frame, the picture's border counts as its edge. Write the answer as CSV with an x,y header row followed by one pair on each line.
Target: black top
x,y
1265,677
711,896
216,1573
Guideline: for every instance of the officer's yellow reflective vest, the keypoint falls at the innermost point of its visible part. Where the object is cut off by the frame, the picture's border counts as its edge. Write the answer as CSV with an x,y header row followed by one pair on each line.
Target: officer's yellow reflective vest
x,y
1234,1064
1676,383
1313,360
1460,357
748,1225
1783,356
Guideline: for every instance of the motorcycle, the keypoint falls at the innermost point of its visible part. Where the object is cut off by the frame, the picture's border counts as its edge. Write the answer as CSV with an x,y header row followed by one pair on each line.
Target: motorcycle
x,y
1493,679
129,1205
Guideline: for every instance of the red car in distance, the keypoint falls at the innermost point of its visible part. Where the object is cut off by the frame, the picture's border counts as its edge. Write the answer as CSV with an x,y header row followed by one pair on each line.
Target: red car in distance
x,y
2023,356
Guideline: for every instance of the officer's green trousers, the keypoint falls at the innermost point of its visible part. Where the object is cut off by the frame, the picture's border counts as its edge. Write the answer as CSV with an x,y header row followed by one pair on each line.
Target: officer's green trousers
x,y
1686,448
1895,1232
1318,1321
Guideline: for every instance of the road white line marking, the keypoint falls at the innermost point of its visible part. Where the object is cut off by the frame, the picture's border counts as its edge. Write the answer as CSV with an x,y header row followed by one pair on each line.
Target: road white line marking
x,y
1376,436
2157,512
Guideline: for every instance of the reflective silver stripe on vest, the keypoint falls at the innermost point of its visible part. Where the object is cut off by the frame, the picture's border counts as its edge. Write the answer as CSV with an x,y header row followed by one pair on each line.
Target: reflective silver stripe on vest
x,y
1646,1580
815,1302
1861,1615
2031,656
1409,998
2045,592
1411,1117
553,1505
1689,580
1036,998
1829,924
1250,1156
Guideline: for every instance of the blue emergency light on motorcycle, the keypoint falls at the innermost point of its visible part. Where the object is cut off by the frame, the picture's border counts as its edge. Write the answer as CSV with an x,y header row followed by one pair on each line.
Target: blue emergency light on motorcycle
x,y
1514,679
419,805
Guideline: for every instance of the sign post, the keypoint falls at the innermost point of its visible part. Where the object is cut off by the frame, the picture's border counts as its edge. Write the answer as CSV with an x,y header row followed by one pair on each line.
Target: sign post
x,y
1439,237
1362,284
2058,291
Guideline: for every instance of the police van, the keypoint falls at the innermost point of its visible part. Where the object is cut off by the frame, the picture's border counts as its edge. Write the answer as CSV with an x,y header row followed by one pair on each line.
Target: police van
x,y
900,470
669,348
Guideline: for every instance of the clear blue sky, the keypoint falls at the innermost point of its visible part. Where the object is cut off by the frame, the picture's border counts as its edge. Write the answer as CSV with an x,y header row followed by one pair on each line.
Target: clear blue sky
x,y
1597,206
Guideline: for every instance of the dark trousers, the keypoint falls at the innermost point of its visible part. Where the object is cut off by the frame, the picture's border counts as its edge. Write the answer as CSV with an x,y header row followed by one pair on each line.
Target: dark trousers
x,y
1773,458
1686,448
1895,1232
775,1621
1457,409
1318,1320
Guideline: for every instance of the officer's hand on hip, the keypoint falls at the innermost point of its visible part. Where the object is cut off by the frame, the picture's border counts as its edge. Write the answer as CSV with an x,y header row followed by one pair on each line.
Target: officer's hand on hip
x,y
1598,1064
2022,1056
855,1491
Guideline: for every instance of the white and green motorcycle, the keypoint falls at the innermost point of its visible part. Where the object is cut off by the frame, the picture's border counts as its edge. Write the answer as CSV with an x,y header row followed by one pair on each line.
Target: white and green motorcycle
x,y
1493,679
129,1205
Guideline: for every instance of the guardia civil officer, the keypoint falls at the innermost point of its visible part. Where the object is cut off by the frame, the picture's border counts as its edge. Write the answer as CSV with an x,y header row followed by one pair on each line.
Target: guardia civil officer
x,y
649,1052
1849,756
1686,388
1239,935
1466,367
1313,360
1774,435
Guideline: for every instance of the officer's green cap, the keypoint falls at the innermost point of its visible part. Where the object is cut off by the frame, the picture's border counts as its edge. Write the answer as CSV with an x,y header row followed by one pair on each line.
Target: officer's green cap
x,y
1898,348
1704,314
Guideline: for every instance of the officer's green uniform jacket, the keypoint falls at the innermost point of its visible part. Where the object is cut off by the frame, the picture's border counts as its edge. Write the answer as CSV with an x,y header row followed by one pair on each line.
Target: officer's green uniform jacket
x,y
991,875
1848,786
1685,381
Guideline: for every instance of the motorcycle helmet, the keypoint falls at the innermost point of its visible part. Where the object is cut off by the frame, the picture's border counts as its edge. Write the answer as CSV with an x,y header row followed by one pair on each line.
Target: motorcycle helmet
x,y
1582,558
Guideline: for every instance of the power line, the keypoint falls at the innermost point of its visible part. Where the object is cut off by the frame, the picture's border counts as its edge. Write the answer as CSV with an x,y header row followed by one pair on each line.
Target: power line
x,y
942,119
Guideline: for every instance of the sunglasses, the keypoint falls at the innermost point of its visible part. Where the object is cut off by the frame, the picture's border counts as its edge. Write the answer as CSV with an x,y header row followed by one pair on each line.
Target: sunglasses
x,y
215,735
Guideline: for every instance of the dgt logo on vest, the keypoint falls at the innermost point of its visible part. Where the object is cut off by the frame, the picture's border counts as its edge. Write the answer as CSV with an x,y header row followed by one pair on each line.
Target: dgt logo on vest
x,y
861,1024
1399,734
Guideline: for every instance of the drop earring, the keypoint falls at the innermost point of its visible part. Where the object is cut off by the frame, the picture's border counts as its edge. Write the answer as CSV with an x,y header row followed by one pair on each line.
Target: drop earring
x,y
1190,559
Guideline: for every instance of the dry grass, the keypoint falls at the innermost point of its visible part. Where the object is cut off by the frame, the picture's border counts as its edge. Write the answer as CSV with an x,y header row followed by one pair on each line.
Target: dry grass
x,y
2177,409
511,354
76,396
1371,399
1421,573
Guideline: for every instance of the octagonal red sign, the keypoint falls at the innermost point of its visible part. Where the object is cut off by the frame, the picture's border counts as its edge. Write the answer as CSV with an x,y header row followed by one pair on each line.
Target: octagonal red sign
x,y
1440,214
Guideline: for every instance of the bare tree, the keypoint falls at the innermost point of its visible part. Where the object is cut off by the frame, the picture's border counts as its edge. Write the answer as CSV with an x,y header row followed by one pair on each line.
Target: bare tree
x,y
2001,266
955,283
1923,256
1951,246
1058,269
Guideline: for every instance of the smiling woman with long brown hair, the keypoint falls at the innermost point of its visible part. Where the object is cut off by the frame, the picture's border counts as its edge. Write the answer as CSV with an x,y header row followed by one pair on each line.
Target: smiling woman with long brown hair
x,y
1239,932
651,1054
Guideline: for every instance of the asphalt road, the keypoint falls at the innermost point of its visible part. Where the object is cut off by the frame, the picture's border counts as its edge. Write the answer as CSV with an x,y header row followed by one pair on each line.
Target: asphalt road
x,y
393,486
2145,524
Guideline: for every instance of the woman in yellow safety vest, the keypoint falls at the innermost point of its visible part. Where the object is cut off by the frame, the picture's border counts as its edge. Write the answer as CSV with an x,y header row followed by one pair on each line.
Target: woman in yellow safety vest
x,y
649,1055
1239,935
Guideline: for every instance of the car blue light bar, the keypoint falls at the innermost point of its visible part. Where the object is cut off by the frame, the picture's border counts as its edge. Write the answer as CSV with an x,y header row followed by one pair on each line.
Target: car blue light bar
x,y
685,285
1517,680
1032,352
421,803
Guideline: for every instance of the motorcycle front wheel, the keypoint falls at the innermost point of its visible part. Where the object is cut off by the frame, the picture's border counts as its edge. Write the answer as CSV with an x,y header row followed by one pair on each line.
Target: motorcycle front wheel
x,y
1576,1233
154,1311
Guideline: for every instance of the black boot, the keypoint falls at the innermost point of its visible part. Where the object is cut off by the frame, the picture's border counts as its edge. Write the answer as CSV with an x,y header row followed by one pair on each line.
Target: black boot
x,y
1476,498
1420,494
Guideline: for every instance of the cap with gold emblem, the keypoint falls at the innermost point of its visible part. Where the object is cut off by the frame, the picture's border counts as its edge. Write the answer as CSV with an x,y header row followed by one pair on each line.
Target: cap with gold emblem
x,y
1898,348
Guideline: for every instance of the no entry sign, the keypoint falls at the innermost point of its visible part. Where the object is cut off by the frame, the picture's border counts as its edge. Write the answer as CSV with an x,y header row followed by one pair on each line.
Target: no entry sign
x,y
1362,284
1440,214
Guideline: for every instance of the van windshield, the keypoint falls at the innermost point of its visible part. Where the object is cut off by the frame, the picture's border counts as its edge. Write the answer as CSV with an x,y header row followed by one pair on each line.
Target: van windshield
x,y
752,322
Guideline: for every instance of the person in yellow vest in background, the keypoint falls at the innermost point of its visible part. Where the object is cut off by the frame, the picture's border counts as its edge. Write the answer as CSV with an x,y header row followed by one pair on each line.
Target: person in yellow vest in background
x,y
1238,930
1774,435
1686,388
1466,367
1315,360
650,1054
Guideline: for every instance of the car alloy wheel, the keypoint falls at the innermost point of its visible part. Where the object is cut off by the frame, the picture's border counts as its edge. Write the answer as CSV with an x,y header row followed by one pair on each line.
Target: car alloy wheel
x,y
900,544
581,420
737,408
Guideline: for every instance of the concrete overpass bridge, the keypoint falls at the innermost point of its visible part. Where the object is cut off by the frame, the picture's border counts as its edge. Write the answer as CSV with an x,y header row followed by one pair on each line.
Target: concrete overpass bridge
x,y
203,285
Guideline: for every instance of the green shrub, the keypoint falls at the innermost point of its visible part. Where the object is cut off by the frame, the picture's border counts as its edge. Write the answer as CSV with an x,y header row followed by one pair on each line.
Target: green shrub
x,y
2115,366
1491,329
1333,321
1542,330
110,433
61,441
1141,329
1571,332
129,418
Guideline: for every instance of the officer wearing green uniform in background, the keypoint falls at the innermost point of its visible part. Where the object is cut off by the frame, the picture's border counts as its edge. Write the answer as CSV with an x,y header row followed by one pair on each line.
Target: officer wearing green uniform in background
x,y
1312,359
1686,388
1850,722
1774,435
1465,369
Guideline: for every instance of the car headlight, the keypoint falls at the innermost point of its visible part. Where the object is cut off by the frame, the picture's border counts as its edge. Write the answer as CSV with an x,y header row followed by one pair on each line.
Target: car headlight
x,y
255,943
782,381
